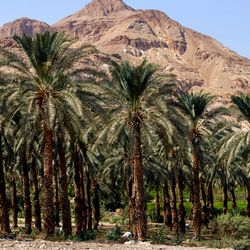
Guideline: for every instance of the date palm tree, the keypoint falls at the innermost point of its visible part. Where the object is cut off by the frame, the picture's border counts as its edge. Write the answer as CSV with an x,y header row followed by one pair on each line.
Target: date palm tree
x,y
239,139
132,97
4,213
194,106
236,144
41,85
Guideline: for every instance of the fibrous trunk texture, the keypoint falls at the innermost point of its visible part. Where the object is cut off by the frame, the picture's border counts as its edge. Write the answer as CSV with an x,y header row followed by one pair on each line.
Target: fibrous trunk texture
x,y
167,216
174,206
139,202
14,203
78,197
48,206
83,198
181,209
234,204
89,203
26,191
36,199
225,198
197,219
66,213
4,213
57,203
130,203
203,194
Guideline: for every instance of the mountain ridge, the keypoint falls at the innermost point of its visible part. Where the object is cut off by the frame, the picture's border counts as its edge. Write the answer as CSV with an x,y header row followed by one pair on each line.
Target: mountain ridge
x,y
115,28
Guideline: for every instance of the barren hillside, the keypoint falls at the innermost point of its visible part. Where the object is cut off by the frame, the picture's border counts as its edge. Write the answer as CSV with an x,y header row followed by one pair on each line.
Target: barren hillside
x,y
117,29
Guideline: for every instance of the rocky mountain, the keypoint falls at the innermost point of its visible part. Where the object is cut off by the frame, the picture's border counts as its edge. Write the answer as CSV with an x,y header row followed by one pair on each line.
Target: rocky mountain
x,y
20,26
117,29
23,25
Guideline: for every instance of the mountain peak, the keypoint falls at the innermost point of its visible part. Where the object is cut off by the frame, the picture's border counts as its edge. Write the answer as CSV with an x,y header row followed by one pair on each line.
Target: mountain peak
x,y
106,7
22,26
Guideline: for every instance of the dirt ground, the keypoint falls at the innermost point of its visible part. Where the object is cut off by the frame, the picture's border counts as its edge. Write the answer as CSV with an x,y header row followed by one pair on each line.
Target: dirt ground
x,y
41,244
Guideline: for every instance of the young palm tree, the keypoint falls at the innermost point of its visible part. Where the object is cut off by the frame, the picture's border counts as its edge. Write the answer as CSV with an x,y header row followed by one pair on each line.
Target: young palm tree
x,y
40,85
194,106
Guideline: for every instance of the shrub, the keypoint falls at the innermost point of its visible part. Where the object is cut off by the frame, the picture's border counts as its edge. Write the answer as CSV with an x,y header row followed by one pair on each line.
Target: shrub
x,y
88,235
151,212
160,235
232,225
114,234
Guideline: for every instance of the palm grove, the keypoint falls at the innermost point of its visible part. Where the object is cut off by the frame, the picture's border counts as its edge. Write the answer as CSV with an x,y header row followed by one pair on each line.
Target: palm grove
x,y
72,131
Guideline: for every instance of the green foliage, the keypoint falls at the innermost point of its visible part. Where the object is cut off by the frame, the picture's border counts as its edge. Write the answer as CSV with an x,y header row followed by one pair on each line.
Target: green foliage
x,y
88,235
114,234
21,230
160,235
178,239
151,212
188,207
241,207
231,225
194,105
114,218
242,102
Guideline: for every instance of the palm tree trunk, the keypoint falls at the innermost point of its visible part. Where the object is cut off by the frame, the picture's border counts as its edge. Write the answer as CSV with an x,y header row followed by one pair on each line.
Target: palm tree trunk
x,y
166,206
27,202
48,206
96,203
83,198
181,209
139,214
36,200
248,200
66,213
234,204
78,197
225,198
130,203
129,186
197,219
4,213
14,203
203,194
89,204
210,195
57,203
174,206
157,205
191,194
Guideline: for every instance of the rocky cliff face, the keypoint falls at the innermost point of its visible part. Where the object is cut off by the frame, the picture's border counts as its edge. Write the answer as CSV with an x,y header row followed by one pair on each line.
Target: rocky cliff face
x,y
117,29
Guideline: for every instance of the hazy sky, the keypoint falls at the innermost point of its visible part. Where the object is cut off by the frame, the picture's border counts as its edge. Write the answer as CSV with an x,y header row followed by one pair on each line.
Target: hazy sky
x,y
226,20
